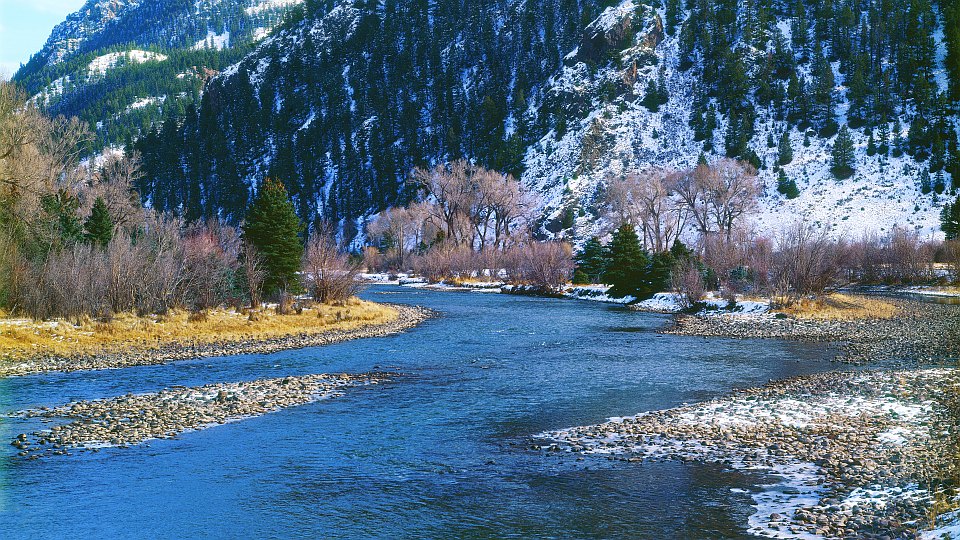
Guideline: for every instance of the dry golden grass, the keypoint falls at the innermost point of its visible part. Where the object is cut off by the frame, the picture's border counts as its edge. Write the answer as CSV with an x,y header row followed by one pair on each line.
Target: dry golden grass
x,y
21,338
838,306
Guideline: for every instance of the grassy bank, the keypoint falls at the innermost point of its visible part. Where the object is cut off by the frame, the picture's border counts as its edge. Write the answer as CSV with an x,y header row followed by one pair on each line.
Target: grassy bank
x,y
842,307
22,339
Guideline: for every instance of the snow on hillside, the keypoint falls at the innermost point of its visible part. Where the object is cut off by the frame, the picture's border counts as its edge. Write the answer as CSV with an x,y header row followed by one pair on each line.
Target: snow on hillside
x,y
267,5
213,41
95,70
624,136
92,18
882,194
101,64
144,102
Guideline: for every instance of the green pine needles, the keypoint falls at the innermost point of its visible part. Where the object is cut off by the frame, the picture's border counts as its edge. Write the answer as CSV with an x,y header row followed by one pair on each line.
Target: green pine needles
x,y
273,228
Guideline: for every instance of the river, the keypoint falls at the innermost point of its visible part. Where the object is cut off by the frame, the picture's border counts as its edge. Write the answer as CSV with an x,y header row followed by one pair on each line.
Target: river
x,y
444,450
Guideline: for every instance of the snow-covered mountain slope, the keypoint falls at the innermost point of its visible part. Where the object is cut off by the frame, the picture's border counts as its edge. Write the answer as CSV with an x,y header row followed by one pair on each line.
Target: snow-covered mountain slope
x,y
342,103
610,137
125,64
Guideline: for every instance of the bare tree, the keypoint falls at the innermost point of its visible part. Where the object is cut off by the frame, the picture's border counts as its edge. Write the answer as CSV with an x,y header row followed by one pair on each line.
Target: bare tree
x,y
547,265
687,281
649,200
731,193
112,177
804,263
329,274
254,273
717,196
473,206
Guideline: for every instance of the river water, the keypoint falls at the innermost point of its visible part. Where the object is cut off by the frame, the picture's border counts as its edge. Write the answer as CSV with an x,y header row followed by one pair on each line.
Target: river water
x,y
442,451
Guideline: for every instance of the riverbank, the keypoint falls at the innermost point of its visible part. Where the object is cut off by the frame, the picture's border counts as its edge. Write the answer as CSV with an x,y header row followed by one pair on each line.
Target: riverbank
x,y
134,419
916,333
864,455
40,347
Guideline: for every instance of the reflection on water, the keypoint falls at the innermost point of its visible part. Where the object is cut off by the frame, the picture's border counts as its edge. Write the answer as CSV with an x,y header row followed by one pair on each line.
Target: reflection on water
x,y
444,450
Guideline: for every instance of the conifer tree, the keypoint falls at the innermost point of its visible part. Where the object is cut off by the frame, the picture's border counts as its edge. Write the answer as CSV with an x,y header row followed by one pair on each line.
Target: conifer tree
x,y
787,186
950,219
897,145
592,260
883,135
785,150
843,162
871,144
628,268
99,226
925,186
273,228
60,210
939,184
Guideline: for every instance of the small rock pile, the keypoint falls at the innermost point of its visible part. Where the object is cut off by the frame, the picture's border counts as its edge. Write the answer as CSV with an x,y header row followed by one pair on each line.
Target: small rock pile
x,y
135,418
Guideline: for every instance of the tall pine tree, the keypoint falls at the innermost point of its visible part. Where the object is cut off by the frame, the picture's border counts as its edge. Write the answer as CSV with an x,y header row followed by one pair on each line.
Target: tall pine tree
x,y
629,265
99,226
843,163
272,226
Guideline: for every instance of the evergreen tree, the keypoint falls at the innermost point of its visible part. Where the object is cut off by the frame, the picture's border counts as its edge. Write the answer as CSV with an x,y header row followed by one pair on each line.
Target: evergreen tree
x,y
871,144
592,260
939,184
273,228
897,139
99,226
950,219
925,186
63,224
787,186
628,269
785,150
883,135
843,163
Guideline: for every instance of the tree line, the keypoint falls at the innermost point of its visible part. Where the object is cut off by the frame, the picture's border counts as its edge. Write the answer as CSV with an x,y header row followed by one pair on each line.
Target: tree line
x,y
77,243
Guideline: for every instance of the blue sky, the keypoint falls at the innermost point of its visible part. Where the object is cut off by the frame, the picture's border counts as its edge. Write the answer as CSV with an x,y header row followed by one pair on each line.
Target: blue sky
x,y
25,26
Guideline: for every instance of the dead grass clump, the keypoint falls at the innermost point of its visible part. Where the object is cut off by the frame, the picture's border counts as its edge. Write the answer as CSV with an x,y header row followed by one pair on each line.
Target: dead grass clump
x,y
23,338
838,306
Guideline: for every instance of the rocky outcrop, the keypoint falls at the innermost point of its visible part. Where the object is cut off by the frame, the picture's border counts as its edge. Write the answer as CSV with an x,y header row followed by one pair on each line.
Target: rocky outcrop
x,y
616,30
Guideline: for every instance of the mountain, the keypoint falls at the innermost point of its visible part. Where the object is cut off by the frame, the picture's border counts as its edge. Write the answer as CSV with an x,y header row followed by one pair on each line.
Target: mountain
x,y
343,99
796,72
123,65
343,104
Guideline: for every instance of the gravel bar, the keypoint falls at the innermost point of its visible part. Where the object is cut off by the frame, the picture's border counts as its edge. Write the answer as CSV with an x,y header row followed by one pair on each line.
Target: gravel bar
x,y
135,418
859,455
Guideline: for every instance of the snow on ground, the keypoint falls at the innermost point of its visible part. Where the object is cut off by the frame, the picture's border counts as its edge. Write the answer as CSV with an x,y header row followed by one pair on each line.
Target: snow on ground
x,y
101,64
946,292
797,484
883,192
949,529
671,302
213,41
268,5
597,293
144,102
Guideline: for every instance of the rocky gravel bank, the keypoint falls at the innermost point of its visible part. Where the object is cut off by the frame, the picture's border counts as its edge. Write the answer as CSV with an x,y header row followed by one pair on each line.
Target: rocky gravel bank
x,y
861,455
408,317
921,333
135,418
